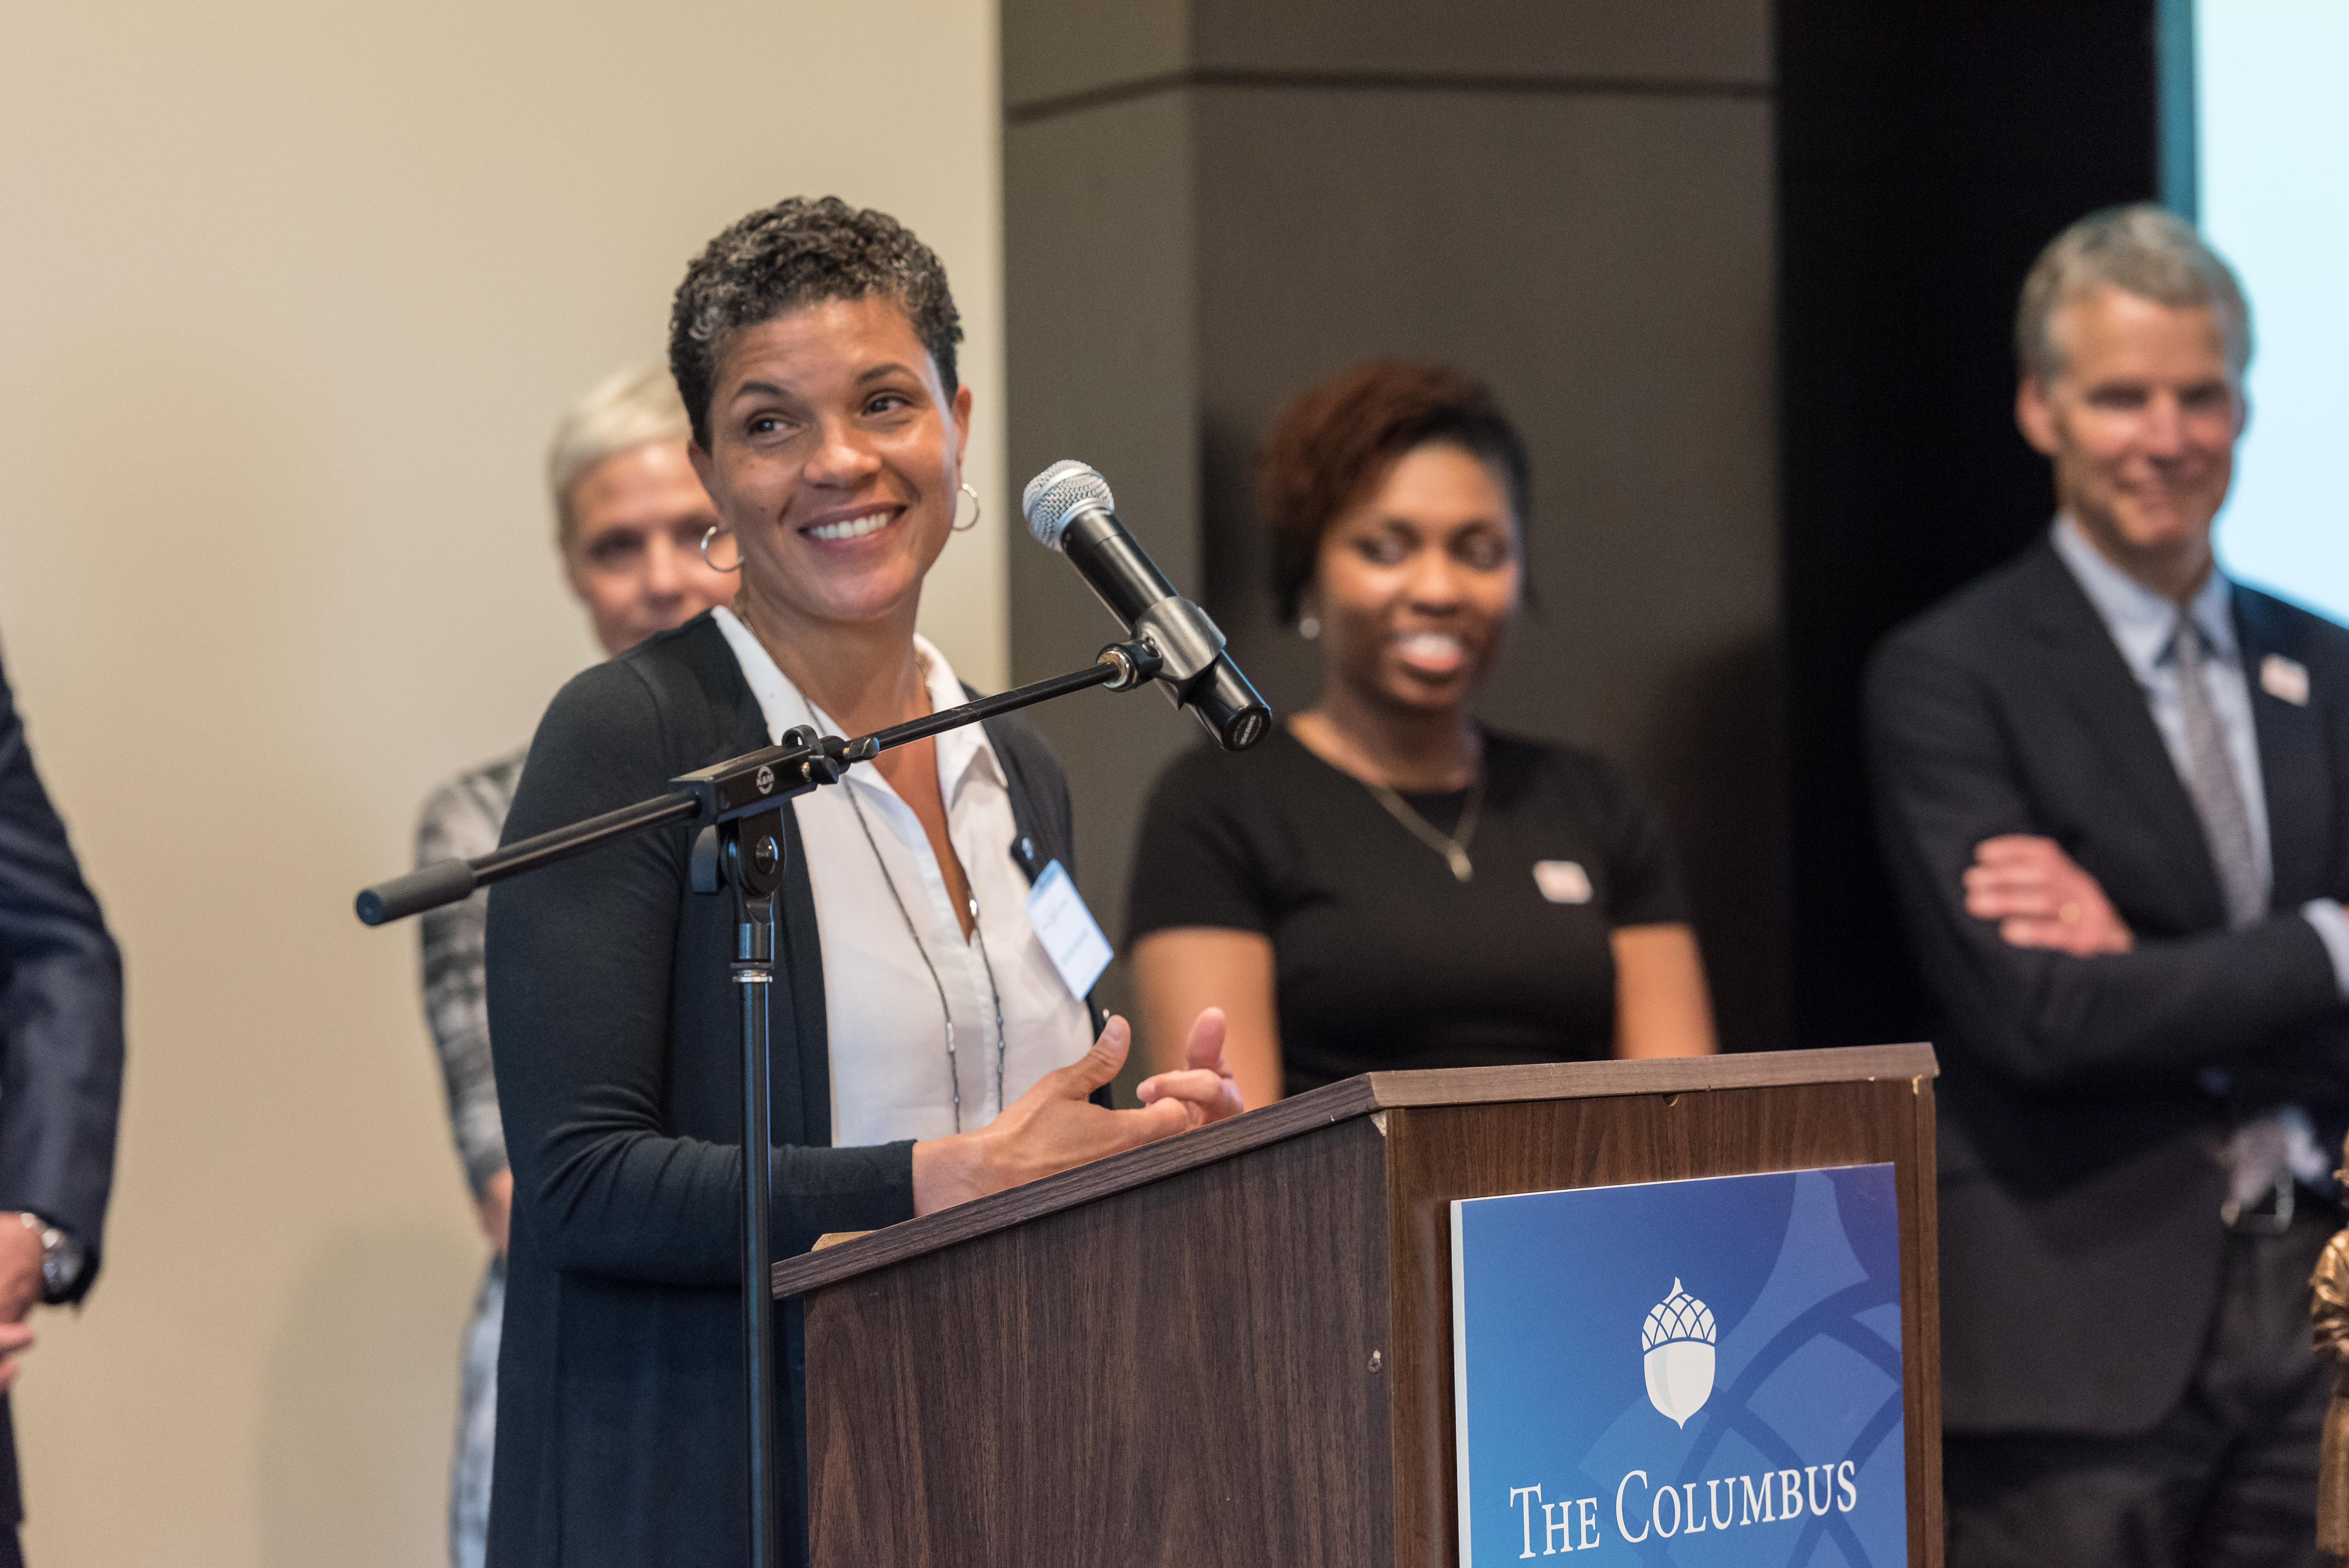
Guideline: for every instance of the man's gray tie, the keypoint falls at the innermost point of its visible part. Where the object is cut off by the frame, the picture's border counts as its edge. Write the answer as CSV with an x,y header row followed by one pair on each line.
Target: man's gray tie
x,y
2217,789
2277,1147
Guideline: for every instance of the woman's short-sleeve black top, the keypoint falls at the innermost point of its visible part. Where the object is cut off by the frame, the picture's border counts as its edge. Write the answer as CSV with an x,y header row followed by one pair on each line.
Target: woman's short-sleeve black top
x,y
1382,958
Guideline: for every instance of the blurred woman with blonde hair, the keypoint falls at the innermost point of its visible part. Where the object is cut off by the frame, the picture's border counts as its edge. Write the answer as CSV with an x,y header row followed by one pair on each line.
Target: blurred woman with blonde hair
x,y
630,518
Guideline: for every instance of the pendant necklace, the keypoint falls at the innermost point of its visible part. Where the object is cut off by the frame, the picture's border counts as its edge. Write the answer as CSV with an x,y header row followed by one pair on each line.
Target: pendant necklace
x,y
1453,846
954,1072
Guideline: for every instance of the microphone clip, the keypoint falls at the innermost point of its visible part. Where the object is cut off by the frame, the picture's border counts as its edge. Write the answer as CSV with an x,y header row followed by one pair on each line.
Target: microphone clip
x,y
1186,637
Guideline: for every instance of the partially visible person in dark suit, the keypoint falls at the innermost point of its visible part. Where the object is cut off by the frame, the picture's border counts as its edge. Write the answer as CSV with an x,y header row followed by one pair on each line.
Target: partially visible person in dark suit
x,y
2114,790
60,1076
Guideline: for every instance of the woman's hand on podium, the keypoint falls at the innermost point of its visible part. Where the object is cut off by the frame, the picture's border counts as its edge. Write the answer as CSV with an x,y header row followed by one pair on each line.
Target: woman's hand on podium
x,y
1206,1090
1053,1126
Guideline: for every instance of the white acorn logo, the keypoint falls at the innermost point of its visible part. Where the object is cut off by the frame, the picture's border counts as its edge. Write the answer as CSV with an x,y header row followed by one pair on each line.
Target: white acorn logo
x,y
1678,1340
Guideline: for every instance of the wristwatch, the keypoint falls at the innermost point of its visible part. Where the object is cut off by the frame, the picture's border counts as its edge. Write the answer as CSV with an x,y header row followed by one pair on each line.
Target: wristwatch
x,y
61,1257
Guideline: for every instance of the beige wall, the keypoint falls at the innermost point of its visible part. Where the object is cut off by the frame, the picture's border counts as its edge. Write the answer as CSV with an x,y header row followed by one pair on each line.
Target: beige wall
x,y
290,295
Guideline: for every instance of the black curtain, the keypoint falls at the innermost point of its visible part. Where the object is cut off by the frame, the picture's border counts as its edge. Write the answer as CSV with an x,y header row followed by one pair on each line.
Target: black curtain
x,y
1926,153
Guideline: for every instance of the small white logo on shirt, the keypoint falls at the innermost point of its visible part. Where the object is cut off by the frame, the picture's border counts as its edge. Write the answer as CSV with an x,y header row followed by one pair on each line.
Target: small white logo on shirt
x,y
2286,678
1562,881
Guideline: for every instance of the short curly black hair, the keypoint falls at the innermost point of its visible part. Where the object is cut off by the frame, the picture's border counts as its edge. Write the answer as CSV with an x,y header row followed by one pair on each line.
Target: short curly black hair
x,y
1335,443
793,255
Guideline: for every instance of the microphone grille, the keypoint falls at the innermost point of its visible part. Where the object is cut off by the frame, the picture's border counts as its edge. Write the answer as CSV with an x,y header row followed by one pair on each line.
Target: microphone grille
x,y
1058,494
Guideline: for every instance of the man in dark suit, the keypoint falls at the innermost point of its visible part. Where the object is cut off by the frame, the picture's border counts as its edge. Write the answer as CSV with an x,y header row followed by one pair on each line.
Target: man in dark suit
x,y
60,1075
2114,790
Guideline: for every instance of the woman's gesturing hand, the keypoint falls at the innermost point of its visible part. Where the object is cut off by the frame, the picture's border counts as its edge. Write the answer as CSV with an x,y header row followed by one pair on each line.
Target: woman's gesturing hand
x,y
1206,1090
1050,1127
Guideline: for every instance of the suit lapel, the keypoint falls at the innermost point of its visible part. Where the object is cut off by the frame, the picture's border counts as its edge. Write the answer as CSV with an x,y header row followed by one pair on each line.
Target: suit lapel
x,y
2293,774
2082,664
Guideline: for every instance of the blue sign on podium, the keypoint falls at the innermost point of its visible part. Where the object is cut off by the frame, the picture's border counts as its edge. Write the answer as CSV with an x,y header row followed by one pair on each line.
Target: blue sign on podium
x,y
1682,1372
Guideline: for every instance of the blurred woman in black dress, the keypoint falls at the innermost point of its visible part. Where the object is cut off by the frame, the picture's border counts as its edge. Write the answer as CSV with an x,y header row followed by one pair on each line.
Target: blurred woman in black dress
x,y
1385,883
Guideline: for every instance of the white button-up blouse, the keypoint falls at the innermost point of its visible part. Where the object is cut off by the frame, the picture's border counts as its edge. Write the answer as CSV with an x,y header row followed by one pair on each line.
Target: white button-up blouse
x,y
891,1077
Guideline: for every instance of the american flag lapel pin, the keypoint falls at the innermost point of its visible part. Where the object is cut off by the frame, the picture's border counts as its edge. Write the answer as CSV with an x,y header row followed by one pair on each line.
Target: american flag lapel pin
x,y
2285,678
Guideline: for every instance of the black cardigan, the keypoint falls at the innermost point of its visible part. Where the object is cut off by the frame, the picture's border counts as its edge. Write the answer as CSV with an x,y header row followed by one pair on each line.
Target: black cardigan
x,y
612,1021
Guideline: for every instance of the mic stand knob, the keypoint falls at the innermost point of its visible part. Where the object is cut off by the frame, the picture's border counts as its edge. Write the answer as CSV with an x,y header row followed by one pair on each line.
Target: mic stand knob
x,y
1135,662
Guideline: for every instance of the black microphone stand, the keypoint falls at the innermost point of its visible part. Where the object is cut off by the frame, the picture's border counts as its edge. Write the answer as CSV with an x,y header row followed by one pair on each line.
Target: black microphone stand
x,y
739,806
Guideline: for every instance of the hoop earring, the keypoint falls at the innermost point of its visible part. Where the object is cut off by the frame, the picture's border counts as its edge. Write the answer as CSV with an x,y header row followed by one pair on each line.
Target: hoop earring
x,y
712,565
977,507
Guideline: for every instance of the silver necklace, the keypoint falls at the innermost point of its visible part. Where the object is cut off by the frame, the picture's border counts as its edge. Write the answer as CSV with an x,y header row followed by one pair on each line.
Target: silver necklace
x,y
1453,846
954,1070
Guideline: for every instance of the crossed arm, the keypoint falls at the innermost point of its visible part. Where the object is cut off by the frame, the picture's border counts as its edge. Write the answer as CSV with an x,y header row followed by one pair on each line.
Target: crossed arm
x,y
2040,898
2043,976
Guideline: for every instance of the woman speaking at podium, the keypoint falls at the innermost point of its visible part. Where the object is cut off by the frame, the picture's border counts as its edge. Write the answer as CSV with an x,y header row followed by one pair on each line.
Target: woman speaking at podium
x,y
929,1051
1386,882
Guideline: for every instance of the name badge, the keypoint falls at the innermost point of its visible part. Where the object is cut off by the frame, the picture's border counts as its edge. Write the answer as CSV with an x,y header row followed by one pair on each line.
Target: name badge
x,y
1562,881
1073,938
2285,678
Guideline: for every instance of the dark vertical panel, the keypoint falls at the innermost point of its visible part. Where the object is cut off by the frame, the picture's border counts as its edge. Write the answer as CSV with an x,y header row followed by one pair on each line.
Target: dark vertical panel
x,y
2178,105
1101,367
1927,153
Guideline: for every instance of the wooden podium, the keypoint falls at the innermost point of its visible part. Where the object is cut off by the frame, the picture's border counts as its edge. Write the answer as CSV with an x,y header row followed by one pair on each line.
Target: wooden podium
x,y
1234,1348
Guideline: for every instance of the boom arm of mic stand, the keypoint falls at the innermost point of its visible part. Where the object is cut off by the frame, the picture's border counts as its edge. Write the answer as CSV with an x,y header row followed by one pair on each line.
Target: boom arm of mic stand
x,y
1121,667
736,788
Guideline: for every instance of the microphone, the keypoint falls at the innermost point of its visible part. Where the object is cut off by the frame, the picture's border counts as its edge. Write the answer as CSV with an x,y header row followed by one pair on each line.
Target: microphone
x,y
1069,510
